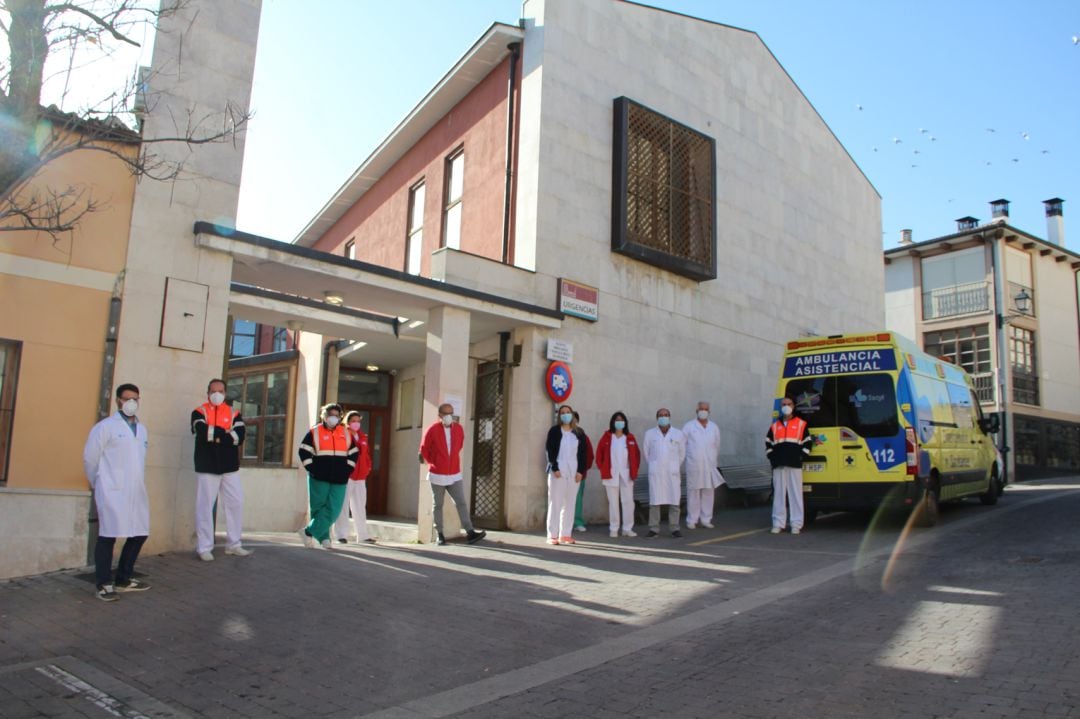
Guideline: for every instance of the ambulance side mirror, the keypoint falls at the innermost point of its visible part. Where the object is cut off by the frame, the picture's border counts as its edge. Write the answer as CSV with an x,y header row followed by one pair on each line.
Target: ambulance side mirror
x,y
990,424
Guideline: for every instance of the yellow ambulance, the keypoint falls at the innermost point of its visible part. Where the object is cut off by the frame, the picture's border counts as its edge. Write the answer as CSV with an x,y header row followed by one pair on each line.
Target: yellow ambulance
x,y
892,426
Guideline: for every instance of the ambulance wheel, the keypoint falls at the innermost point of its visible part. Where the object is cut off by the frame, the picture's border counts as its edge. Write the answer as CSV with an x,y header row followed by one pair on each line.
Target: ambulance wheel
x,y
928,511
993,491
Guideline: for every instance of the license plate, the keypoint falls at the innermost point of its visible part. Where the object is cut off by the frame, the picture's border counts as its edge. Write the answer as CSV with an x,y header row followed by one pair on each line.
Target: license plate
x,y
814,467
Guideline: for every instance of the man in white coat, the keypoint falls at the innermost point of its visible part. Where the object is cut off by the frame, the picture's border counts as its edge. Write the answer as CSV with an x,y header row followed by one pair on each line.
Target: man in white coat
x,y
702,474
664,449
115,462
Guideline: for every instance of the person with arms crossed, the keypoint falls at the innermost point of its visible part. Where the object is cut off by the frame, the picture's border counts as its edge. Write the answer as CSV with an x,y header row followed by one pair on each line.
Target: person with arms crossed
x,y
787,443
114,460
219,432
441,451
566,455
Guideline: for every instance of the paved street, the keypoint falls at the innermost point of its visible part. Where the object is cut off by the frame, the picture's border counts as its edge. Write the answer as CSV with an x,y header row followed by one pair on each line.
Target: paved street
x,y
854,618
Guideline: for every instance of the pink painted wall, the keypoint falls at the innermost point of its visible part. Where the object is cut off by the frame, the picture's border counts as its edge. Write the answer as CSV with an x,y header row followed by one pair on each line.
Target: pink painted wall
x,y
378,221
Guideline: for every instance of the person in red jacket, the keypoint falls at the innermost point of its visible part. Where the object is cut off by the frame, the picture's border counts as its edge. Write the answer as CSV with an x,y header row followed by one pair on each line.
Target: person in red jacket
x,y
441,450
618,458
356,490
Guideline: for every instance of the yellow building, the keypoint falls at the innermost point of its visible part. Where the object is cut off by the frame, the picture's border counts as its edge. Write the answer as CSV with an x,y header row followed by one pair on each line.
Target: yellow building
x,y
57,295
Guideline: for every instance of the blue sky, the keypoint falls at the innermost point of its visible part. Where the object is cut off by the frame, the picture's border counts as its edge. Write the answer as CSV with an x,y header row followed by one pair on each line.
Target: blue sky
x,y
962,102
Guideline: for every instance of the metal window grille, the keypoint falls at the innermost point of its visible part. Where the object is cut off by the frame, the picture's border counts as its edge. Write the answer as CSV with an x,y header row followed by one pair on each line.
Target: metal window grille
x,y
489,446
664,202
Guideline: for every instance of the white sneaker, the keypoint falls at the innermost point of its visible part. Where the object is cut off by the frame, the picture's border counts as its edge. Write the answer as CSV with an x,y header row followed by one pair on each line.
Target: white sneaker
x,y
775,530
707,525
690,525
613,534
794,531
629,533
327,544
239,551
309,541
206,556
579,529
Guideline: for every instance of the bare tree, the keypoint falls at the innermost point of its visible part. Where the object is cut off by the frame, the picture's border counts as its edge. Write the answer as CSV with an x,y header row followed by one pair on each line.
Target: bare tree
x,y
32,136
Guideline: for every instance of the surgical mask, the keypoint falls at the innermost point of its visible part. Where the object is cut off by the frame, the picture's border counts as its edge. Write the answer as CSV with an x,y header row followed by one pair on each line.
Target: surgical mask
x,y
332,421
663,421
703,414
354,426
130,407
619,424
447,420
217,398
565,418
786,410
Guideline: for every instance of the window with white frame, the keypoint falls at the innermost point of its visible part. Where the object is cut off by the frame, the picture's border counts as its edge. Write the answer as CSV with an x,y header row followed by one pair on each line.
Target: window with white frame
x,y
414,241
455,185
955,284
350,249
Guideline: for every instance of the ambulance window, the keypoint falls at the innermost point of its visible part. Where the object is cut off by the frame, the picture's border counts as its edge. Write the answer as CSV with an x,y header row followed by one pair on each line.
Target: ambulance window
x,y
867,404
814,400
963,412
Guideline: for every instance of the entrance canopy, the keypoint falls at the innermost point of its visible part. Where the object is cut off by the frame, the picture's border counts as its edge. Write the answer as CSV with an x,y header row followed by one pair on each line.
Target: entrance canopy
x,y
284,285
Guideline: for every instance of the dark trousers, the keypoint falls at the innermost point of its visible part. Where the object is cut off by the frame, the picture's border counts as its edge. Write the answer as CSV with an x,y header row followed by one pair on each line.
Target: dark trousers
x,y
103,554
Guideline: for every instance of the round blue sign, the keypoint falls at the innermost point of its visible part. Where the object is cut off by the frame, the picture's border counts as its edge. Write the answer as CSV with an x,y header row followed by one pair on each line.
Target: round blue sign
x,y
558,382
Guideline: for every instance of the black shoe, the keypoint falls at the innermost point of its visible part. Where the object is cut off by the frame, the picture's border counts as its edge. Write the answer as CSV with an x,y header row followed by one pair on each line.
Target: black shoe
x,y
342,540
475,537
677,534
652,534
441,540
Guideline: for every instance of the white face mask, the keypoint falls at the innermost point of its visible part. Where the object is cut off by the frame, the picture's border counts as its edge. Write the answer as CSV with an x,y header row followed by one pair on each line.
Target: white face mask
x,y
703,414
217,398
332,421
354,426
786,410
447,420
130,407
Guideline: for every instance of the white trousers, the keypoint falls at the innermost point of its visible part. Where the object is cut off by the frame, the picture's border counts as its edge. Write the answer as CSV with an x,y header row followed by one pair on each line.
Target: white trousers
x,y
787,483
207,490
699,506
562,495
356,500
623,492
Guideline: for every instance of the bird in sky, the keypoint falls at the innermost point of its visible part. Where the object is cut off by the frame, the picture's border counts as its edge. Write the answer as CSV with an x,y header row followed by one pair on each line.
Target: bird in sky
x,y
1076,39
1025,136
897,141
990,129
858,107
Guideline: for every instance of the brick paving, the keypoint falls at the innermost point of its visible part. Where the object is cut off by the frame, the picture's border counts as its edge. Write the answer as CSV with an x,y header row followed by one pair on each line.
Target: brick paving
x,y
973,620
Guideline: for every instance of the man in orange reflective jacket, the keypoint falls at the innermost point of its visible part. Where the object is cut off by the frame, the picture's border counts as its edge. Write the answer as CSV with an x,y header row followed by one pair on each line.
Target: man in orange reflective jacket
x,y
787,443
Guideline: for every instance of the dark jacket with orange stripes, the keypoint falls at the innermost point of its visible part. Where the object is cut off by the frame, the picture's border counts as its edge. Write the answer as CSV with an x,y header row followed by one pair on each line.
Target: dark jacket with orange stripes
x,y
219,432
328,455
788,444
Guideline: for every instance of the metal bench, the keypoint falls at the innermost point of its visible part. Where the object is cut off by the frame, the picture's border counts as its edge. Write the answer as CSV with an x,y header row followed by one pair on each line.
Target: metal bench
x,y
744,484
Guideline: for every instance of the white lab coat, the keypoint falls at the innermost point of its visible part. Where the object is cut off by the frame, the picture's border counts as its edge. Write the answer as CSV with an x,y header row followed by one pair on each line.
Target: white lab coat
x,y
114,460
664,456
702,455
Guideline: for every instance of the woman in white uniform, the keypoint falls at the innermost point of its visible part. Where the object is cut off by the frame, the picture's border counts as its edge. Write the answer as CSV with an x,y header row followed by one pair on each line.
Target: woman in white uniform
x,y
566,456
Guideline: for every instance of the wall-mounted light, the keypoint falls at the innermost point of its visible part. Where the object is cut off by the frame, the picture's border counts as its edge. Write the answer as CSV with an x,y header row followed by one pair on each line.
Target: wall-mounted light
x,y
415,323
333,298
1022,301
372,368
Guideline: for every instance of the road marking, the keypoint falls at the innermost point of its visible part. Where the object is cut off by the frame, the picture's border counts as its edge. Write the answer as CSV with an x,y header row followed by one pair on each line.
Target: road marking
x,y
92,694
484,691
726,537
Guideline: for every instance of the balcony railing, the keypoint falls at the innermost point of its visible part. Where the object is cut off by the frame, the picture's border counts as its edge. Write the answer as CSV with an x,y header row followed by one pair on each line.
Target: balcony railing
x,y
984,387
956,300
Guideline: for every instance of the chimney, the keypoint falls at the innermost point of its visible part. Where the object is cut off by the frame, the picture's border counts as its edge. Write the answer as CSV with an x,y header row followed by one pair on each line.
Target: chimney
x,y
966,223
905,237
999,211
1055,221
